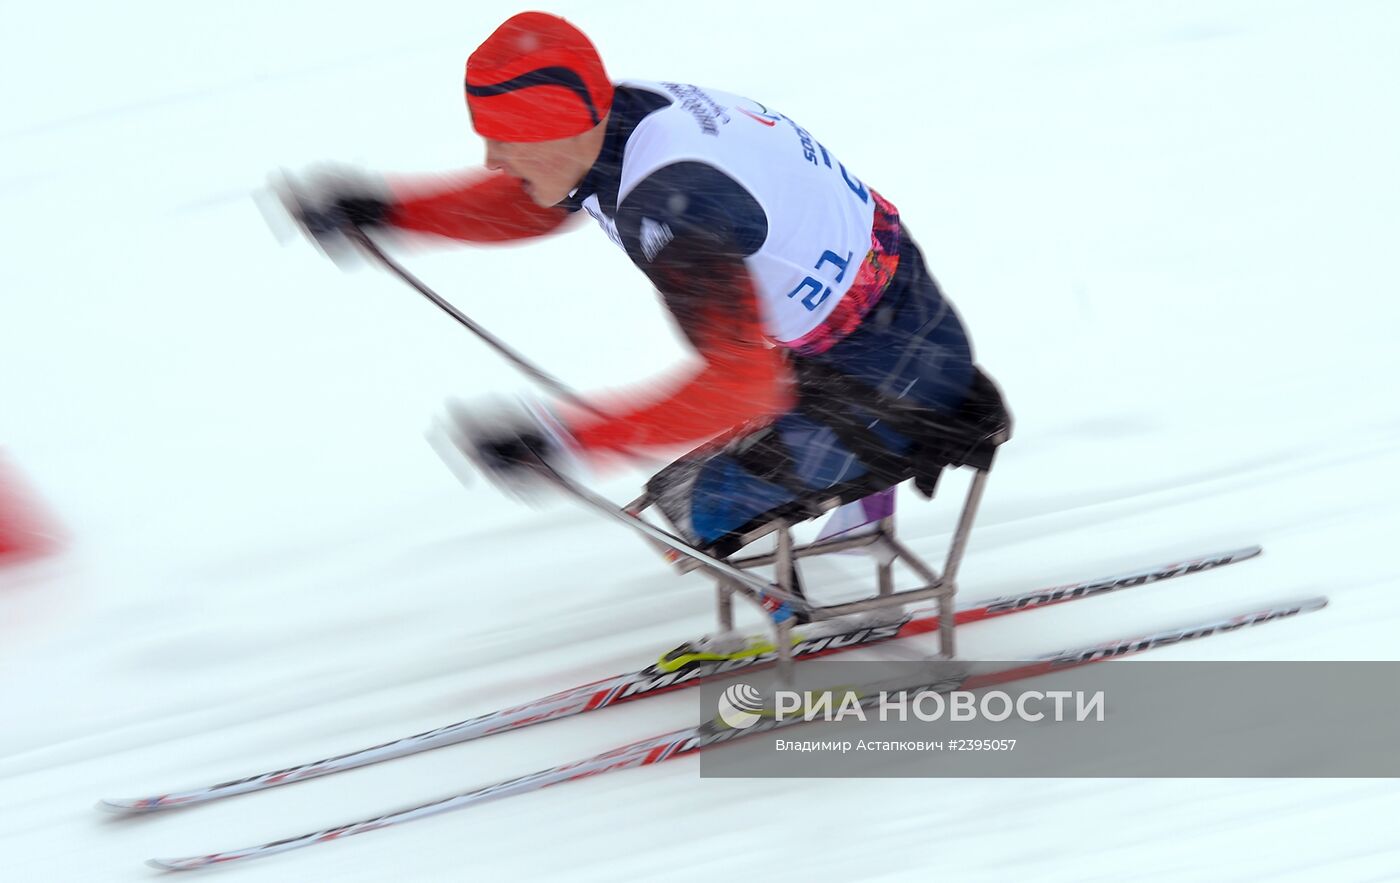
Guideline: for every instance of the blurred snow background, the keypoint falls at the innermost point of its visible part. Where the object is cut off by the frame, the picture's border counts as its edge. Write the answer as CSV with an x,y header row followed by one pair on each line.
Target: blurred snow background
x,y
1169,227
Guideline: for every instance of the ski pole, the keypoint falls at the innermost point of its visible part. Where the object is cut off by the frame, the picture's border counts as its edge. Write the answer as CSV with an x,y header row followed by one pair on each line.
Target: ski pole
x,y
370,247
757,589
776,604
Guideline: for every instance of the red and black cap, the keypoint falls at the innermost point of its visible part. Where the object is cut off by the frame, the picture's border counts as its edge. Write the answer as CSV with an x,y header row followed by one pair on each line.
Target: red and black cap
x,y
536,78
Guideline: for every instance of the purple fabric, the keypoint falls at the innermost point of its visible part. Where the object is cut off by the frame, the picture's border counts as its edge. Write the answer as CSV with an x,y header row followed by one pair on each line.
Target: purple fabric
x,y
853,516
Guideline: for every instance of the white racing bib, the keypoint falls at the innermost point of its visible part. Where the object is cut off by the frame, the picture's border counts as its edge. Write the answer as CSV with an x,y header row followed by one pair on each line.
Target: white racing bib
x,y
819,215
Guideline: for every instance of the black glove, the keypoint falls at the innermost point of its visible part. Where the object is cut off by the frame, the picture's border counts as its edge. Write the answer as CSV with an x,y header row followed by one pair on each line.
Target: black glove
x,y
327,202
514,444
509,448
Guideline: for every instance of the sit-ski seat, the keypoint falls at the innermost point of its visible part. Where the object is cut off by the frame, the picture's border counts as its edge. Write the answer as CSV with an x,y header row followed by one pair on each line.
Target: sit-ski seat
x,y
968,437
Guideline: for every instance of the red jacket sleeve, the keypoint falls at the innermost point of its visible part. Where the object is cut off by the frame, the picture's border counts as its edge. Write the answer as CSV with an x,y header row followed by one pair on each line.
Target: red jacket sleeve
x,y
742,379
486,207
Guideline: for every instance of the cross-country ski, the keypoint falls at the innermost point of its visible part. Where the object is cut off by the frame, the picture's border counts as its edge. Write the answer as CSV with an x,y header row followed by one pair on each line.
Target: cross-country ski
x,y
686,666
694,739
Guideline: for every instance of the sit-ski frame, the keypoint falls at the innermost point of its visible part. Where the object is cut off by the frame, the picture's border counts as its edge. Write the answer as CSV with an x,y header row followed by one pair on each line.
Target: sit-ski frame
x,y
778,599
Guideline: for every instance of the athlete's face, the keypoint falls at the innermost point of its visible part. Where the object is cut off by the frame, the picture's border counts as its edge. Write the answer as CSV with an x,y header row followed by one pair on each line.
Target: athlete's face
x,y
547,170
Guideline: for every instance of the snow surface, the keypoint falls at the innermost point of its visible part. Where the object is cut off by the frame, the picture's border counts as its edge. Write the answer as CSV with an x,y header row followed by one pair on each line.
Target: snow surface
x,y
1170,228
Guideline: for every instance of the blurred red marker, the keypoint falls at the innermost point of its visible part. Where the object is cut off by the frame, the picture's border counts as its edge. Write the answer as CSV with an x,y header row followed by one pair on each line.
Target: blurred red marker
x,y
24,532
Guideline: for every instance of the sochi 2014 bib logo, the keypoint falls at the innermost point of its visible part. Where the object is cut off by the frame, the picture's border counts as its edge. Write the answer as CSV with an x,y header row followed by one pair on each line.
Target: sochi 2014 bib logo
x,y
740,706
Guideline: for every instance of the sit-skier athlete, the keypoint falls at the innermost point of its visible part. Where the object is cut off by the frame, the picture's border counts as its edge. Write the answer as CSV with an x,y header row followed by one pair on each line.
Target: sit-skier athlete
x,y
832,365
